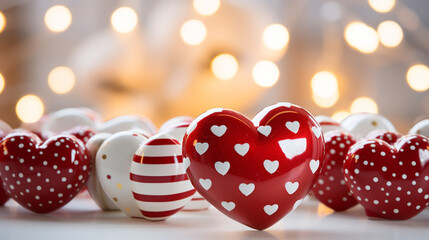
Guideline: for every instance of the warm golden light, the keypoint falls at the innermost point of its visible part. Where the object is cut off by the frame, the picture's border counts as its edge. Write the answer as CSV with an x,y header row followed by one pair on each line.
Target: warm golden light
x,y
265,73
361,37
206,7
324,84
364,104
275,37
390,33
2,83
61,80
124,19
58,18
29,109
224,66
2,22
340,115
418,77
193,32
326,102
382,6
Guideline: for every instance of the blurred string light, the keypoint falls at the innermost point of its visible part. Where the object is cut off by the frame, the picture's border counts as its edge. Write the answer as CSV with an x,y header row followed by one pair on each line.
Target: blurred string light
x,y
193,32
364,104
61,80
30,109
58,18
361,37
124,19
206,7
2,83
2,22
224,66
390,33
265,73
418,77
382,6
275,37
340,115
324,85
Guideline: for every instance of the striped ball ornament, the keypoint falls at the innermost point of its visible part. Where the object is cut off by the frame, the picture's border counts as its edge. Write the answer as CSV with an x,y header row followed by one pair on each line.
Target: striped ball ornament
x,y
159,182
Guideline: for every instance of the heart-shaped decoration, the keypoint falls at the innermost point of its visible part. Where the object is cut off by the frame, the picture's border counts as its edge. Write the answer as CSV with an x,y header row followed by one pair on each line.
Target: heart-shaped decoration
x,y
361,124
421,128
111,187
158,178
43,177
389,181
261,163
389,137
330,188
4,130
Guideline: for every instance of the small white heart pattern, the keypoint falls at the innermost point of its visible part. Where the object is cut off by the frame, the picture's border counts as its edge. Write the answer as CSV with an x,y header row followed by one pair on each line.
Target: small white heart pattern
x,y
245,170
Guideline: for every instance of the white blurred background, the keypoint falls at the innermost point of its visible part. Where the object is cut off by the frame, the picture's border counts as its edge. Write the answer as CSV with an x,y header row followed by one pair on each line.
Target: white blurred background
x,y
167,58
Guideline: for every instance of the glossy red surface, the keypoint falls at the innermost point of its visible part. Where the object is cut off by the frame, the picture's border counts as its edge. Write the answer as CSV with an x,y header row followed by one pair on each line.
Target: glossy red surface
x,y
43,177
389,137
254,172
390,181
330,188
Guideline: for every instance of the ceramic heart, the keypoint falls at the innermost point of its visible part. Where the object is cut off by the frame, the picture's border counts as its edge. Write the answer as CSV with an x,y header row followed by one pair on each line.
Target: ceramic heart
x,y
43,177
158,178
387,136
330,188
94,187
68,118
421,128
126,122
389,181
361,124
328,124
4,130
256,171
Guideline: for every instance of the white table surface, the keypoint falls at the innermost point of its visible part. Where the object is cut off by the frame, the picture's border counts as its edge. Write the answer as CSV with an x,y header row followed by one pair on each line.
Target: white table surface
x,y
81,219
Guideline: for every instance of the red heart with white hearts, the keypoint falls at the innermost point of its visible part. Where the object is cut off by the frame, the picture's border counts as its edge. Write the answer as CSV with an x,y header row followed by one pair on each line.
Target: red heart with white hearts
x,y
254,172
4,130
389,181
43,177
330,188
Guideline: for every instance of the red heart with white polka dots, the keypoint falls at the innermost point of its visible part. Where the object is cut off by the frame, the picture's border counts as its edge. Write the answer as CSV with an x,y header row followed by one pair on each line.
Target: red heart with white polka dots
x,y
330,188
389,181
254,172
43,177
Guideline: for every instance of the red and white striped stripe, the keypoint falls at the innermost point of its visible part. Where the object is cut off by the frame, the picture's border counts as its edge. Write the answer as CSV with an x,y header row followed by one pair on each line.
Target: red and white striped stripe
x,y
159,182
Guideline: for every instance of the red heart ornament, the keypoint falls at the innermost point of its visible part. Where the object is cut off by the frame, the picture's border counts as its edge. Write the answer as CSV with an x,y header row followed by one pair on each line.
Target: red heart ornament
x,y
389,181
387,136
254,172
330,188
43,177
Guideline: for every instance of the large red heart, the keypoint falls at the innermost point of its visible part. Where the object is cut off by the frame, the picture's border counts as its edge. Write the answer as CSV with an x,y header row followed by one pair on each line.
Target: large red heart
x,y
389,181
254,172
43,177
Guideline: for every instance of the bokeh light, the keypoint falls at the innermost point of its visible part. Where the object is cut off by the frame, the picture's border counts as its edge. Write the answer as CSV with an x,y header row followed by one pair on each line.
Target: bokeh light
x,y
193,32
418,77
2,83
326,102
390,33
364,104
382,6
265,73
224,66
206,7
361,37
340,115
58,18
324,84
275,37
124,19
2,22
30,109
61,80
